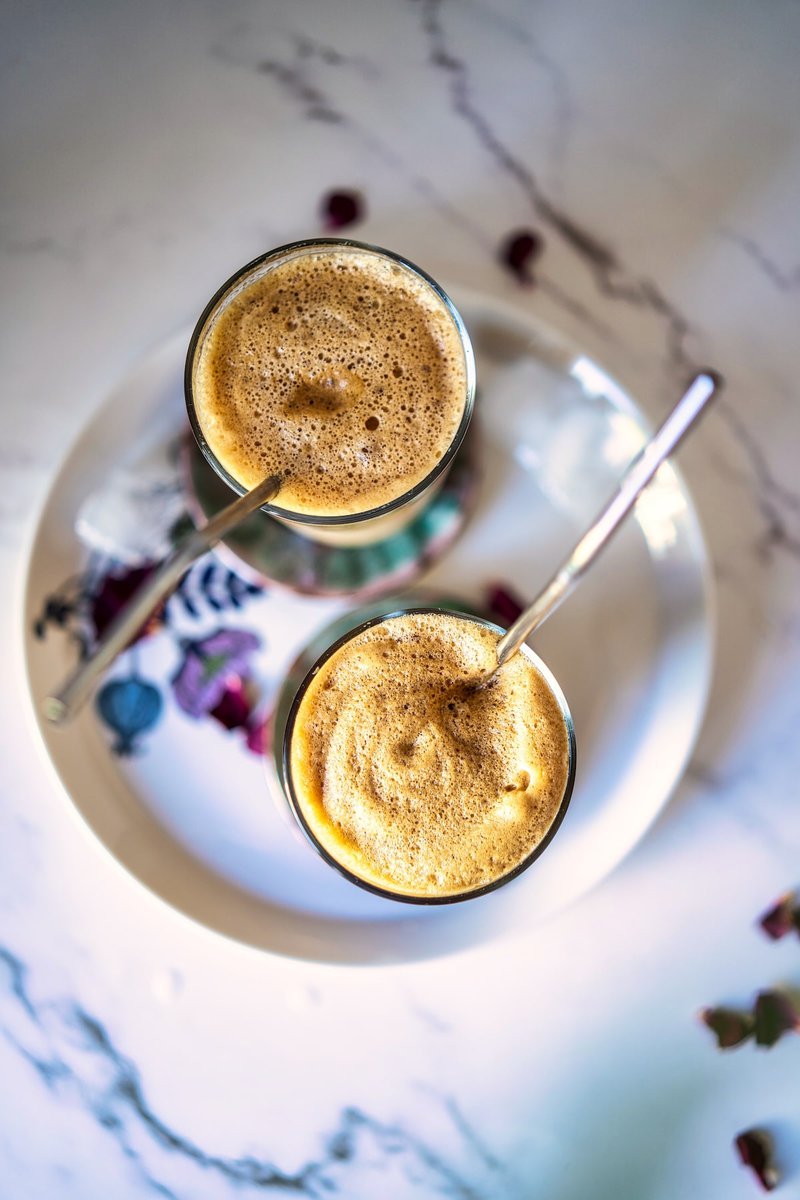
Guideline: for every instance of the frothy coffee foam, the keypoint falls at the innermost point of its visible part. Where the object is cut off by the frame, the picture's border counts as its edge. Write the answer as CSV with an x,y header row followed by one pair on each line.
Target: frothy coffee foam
x,y
339,370
414,781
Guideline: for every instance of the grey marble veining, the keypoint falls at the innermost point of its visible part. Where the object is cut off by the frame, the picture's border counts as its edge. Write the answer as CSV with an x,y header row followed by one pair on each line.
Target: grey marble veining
x,y
147,152
80,1066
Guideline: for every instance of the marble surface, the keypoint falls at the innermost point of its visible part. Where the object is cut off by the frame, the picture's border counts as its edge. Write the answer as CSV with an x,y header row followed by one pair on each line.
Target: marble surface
x,y
147,151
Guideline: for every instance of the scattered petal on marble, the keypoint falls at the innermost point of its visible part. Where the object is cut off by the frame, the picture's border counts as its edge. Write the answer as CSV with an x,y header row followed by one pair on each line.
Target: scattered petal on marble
x,y
502,605
730,1026
519,251
776,1013
754,1148
782,918
341,208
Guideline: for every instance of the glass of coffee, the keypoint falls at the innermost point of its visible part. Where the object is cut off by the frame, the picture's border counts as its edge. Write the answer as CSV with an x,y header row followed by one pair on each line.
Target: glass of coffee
x,y
413,778
342,368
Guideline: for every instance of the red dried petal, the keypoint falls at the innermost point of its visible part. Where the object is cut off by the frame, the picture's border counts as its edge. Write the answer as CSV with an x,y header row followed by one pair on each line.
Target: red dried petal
x,y
754,1148
340,209
782,918
730,1026
775,1014
519,251
502,605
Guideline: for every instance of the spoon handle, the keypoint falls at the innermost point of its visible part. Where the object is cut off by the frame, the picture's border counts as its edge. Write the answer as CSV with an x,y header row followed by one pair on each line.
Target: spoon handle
x,y
63,704
641,470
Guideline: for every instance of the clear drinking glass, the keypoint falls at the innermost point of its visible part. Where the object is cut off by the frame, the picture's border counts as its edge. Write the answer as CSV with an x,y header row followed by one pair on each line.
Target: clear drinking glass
x,y
373,524
289,715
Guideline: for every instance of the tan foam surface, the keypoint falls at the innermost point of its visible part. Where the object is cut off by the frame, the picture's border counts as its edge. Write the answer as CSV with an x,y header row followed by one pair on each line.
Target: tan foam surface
x,y
341,371
416,782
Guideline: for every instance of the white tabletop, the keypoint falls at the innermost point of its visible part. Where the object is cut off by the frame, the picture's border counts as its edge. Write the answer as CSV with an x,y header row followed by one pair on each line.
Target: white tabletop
x,y
147,151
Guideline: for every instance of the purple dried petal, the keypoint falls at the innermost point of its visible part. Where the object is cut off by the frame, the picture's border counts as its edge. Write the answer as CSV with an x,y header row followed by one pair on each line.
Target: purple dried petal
x,y
519,251
502,605
782,918
730,1026
340,209
775,1014
754,1148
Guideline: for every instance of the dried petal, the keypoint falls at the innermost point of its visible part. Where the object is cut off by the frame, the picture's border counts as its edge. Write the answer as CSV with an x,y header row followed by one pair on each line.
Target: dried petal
x,y
730,1026
519,251
782,918
341,208
754,1148
502,605
775,1014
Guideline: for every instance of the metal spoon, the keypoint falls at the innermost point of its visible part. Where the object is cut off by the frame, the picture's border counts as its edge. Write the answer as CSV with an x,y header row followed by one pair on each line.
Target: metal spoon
x,y
67,700
704,385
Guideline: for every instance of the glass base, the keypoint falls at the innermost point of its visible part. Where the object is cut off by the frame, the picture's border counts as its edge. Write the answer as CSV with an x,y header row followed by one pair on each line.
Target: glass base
x,y
270,551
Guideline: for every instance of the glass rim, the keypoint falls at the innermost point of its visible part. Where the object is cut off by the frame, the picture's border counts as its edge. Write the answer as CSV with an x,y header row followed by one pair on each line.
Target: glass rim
x,y
292,249
404,898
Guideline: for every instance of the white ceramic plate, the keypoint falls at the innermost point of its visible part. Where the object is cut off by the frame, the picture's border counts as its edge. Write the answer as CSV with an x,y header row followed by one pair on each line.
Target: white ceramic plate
x,y
189,813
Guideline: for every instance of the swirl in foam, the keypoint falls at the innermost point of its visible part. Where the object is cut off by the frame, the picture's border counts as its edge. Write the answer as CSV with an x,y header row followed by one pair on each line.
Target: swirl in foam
x,y
342,371
412,779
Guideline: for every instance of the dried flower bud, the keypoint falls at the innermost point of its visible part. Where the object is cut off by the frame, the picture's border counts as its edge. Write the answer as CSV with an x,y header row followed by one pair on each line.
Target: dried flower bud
x,y
730,1026
782,918
775,1014
502,605
519,251
754,1148
340,209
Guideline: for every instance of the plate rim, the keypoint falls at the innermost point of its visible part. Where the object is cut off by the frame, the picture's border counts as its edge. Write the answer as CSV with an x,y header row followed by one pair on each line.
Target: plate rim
x,y
469,299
